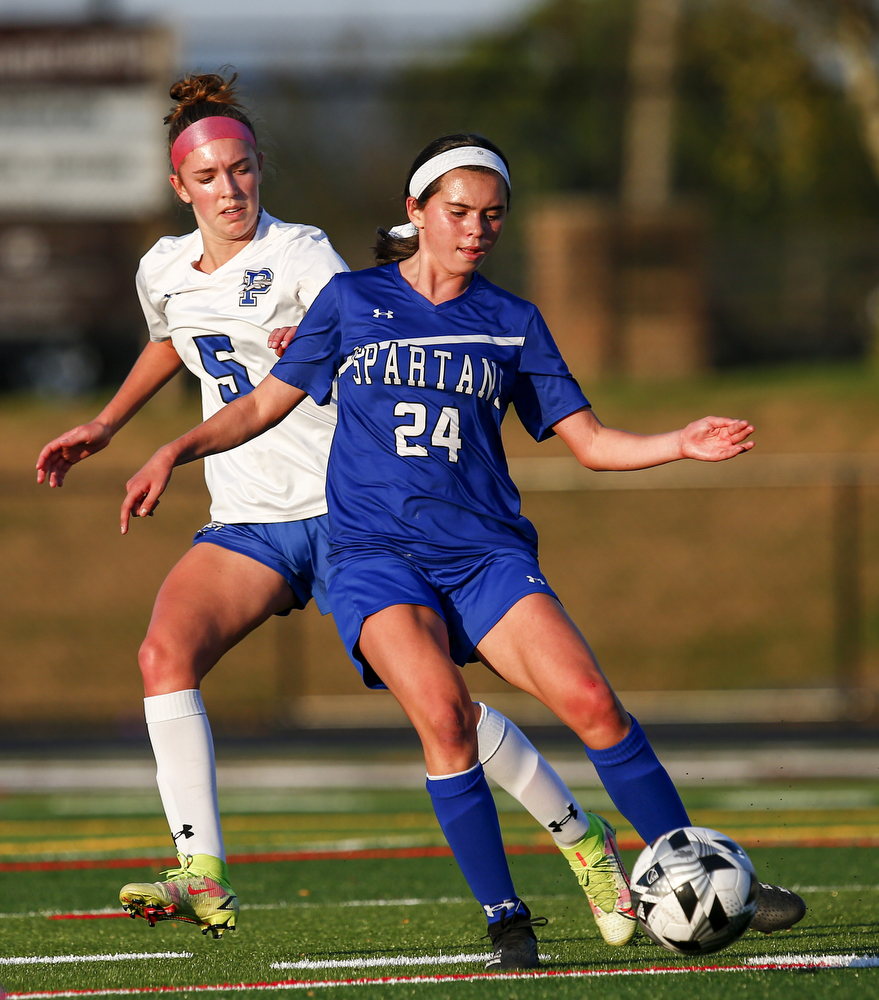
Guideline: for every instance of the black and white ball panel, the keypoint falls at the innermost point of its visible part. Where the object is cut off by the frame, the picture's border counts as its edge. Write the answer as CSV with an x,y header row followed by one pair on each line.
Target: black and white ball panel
x,y
694,890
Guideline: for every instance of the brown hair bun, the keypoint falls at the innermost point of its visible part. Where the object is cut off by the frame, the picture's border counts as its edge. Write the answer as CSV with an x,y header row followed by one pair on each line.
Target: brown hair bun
x,y
203,95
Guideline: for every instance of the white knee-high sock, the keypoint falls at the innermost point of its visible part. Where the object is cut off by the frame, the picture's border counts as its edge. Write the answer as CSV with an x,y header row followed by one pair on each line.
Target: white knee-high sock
x,y
185,771
510,759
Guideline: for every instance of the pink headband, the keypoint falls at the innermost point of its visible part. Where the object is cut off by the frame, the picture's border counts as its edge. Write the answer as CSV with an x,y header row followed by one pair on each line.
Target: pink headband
x,y
206,130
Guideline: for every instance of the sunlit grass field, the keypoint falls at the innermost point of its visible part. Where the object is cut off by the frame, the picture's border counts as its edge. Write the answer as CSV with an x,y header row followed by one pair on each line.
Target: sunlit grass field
x,y
354,900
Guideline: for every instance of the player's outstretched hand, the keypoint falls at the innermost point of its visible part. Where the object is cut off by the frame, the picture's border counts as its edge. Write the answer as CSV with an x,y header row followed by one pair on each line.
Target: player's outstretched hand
x,y
145,488
57,458
715,439
279,339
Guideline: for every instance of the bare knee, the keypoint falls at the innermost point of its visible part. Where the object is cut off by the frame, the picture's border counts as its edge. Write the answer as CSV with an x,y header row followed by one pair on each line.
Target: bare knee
x,y
165,669
454,724
597,715
448,734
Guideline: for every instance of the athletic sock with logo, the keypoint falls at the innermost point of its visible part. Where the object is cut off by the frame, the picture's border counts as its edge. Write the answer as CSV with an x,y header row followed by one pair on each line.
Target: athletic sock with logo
x,y
185,771
468,816
509,758
639,785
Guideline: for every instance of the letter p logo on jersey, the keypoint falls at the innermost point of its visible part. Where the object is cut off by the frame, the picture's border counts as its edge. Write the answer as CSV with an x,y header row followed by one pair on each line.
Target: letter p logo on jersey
x,y
255,283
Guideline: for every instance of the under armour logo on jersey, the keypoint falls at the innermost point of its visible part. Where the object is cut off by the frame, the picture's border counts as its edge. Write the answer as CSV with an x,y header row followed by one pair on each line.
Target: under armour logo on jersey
x,y
536,579
556,825
255,283
387,312
185,833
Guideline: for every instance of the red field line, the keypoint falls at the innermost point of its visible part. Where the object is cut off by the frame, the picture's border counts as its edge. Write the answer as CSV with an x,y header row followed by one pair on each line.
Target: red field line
x,y
300,984
244,859
631,844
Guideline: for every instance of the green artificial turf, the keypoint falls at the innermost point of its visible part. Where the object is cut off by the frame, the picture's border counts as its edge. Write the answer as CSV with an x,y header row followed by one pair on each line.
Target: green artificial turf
x,y
303,910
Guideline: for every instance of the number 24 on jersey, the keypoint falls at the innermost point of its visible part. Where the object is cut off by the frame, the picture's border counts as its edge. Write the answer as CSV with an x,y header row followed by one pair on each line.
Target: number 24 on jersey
x,y
445,434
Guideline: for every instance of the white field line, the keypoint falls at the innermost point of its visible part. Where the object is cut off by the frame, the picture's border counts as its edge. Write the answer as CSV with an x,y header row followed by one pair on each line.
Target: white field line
x,y
823,961
835,888
303,905
354,902
387,963
819,961
117,957
408,901
808,962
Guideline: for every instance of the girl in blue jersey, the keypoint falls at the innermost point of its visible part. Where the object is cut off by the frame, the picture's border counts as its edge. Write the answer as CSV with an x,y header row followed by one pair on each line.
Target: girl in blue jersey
x,y
432,562
209,298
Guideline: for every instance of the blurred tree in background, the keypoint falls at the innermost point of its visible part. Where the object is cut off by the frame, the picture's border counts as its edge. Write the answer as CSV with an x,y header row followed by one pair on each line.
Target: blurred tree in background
x,y
771,137
766,132
764,128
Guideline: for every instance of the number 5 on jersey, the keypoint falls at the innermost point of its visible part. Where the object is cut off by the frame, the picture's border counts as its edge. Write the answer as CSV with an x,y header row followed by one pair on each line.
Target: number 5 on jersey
x,y
445,434
232,378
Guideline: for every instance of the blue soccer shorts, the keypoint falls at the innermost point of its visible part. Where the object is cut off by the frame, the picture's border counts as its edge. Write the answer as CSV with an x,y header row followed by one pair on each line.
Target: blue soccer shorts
x,y
295,549
470,593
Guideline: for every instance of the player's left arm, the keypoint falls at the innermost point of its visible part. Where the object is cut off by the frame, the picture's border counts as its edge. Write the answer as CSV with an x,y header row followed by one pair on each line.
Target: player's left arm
x,y
606,449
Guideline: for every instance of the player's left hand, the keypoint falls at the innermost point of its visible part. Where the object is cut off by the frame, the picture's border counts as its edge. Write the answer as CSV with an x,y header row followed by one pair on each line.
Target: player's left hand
x,y
715,439
279,339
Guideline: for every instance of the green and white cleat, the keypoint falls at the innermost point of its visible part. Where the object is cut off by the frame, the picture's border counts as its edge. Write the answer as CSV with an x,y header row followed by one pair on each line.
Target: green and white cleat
x,y
198,892
596,862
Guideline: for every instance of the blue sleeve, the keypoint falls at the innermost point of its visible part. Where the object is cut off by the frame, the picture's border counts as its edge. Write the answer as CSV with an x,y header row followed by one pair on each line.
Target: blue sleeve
x,y
311,361
545,391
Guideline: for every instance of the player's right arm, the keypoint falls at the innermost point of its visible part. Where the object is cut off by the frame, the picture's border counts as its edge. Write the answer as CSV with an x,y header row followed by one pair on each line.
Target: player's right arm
x,y
238,422
158,362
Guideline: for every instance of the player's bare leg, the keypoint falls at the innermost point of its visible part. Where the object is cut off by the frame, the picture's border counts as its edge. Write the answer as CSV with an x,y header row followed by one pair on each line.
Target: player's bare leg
x,y
537,648
211,599
208,603
408,647
560,670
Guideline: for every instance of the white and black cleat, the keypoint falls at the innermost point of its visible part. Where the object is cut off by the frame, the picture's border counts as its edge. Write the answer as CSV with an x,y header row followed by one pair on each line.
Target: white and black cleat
x,y
778,909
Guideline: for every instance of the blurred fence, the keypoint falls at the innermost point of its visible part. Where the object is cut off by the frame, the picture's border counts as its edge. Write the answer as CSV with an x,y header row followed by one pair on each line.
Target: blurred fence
x,y
738,592
845,476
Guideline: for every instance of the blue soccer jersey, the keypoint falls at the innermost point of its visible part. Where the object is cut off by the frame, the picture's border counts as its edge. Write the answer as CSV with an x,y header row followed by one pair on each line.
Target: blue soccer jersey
x,y
417,461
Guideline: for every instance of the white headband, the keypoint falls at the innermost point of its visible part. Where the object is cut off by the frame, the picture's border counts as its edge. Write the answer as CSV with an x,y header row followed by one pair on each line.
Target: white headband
x,y
442,163
460,156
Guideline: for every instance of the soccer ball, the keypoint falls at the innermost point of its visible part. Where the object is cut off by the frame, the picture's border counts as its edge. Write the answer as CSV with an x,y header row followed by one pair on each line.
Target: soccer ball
x,y
694,890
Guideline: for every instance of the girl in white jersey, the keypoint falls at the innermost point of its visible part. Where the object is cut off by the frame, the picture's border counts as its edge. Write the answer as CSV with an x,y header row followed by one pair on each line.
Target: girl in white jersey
x,y
439,564
209,299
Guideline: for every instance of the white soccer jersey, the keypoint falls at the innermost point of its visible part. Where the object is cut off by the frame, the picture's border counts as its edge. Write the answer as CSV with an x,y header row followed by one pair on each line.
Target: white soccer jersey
x,y
219,324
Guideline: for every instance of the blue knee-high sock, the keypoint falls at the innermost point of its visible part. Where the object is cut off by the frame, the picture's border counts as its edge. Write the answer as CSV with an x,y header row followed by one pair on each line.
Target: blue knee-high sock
x,y
468,816
639,785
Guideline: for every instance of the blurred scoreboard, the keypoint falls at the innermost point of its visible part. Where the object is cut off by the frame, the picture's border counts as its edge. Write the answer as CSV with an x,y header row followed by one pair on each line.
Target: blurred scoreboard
x,y
83,184
81,130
